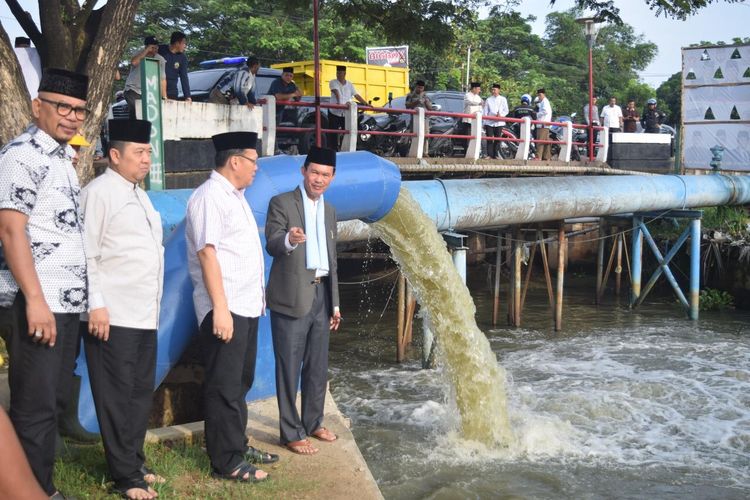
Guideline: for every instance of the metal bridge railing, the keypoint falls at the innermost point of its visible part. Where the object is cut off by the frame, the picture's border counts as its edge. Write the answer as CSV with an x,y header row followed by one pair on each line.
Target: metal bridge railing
x,y
420,126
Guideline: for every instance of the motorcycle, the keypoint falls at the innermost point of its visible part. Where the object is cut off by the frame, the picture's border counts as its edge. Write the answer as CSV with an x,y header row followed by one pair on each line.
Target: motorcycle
x,y
557,133
380,144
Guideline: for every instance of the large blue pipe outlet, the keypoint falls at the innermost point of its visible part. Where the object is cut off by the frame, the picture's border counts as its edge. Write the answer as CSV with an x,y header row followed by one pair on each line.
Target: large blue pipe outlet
x,y
365,187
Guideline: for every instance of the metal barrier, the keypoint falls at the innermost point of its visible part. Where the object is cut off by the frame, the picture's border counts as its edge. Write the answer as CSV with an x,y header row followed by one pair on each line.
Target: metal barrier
x,y
420,130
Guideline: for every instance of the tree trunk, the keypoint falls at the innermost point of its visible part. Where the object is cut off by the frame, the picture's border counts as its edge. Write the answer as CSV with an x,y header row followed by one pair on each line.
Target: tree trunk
x,y
15,111
76,39
112,32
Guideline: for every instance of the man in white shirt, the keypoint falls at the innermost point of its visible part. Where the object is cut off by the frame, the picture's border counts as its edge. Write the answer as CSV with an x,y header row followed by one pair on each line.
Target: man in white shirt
x,y
342,91
133,82
495,105
544,113
612,116
225,261
30,62
125,268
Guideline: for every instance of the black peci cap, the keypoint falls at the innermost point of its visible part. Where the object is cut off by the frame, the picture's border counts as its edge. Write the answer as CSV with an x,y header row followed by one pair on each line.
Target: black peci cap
x,y
130,131
288,69
150,40
474,85
234,140
340,68
321,156
420,83
61,81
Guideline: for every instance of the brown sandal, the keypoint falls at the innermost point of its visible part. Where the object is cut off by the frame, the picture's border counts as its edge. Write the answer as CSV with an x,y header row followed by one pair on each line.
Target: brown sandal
x,y
324,435
303,447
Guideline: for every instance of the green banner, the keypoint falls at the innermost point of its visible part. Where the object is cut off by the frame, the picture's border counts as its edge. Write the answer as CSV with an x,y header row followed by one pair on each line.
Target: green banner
x,y
151,111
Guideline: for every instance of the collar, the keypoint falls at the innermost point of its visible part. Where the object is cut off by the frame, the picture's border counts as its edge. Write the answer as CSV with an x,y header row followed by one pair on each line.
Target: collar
x,y
116,177
225,184
48,145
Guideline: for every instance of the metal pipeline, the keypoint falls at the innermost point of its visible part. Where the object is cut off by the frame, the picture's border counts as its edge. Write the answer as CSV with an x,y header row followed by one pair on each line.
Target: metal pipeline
x,y
365,187
455,204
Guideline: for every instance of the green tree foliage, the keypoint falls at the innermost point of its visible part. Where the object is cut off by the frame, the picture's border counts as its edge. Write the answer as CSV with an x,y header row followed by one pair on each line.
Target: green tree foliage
x,y
677,9
669,95
273,32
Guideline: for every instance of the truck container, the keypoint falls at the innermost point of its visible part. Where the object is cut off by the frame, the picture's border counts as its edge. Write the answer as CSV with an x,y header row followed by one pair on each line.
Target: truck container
x,y
369,80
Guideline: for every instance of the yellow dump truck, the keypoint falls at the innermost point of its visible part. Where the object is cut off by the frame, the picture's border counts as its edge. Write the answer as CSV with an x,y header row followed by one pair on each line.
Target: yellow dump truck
x,y
370,81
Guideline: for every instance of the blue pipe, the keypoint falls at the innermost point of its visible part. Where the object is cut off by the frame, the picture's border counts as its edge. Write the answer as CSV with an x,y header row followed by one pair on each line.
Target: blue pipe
x,y
365,187
483,203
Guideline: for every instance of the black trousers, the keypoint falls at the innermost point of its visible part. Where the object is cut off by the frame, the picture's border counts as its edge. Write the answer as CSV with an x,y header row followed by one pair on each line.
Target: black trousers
x,y
338,123
131,96
40,379
230,370
493,147
122,383
300,347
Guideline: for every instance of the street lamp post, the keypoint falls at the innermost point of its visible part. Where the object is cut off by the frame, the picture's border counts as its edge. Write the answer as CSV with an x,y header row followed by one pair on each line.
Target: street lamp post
x,y
590,29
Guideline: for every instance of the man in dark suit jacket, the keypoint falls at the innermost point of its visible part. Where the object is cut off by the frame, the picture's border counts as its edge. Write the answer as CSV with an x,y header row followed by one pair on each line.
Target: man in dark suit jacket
x,y
303,297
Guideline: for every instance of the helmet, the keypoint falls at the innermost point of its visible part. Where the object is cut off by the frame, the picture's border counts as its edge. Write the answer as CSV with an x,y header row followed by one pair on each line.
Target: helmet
x,y
526,98
79,140
651,101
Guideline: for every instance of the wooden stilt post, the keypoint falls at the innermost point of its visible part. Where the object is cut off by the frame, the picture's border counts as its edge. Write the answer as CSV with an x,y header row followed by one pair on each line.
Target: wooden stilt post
x,y
517,261
619,242
512,275
605,280
545,265
411,305
561,244
529,267
600,261
400,321
498,265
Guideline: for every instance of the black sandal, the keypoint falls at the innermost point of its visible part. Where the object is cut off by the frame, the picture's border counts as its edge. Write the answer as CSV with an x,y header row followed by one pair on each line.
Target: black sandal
x,y
257,456
145,471
238,474
122,488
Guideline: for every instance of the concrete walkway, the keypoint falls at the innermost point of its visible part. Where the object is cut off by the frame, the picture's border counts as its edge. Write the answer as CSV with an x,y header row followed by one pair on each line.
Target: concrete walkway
x,y
337,471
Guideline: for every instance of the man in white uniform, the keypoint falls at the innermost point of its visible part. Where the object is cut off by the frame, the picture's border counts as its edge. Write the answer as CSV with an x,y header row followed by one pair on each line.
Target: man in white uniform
x,y
544,113
495,105
342,91
612,116
125,262
30,62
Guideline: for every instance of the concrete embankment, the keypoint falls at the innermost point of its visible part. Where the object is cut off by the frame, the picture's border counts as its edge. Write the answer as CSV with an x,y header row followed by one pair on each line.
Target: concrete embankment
x,y
338,471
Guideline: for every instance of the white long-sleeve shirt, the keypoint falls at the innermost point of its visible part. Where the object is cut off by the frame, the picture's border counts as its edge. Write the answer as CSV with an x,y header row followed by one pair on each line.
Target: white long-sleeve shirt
x,y
544,112
124,252
495,106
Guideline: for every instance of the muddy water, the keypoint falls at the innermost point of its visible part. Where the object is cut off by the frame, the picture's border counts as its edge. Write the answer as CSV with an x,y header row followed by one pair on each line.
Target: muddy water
x,y
621,404
476,379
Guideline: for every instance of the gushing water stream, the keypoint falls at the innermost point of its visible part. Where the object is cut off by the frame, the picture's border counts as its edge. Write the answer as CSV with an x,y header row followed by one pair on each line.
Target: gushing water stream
x,y
473,370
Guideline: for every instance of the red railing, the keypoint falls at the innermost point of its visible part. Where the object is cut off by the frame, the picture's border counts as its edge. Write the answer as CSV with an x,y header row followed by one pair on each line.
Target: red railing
x,y
429,113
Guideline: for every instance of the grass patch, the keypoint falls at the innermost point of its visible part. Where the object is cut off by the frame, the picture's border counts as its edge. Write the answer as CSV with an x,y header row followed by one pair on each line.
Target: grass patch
x,y
82,472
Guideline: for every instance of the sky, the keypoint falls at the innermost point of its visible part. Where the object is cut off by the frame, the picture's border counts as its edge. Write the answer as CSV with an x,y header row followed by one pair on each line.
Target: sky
x,y
718,22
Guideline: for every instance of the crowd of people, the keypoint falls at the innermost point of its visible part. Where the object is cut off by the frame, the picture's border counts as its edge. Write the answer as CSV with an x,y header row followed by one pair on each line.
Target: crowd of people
x,y
89,263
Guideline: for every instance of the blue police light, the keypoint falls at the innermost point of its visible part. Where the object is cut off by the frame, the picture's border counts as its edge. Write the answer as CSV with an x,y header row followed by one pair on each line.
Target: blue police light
x,y
226,61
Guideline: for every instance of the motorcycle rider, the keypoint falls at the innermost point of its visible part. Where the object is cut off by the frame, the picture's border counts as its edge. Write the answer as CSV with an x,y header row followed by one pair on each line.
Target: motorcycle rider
x,y
652,118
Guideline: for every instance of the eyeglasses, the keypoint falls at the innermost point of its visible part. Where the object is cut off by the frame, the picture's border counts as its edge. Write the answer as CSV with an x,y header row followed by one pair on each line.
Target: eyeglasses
x,y
64,109
248,159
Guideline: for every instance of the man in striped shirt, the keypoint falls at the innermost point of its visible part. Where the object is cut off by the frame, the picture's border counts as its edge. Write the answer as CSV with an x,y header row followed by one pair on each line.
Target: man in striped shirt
x,y
225,260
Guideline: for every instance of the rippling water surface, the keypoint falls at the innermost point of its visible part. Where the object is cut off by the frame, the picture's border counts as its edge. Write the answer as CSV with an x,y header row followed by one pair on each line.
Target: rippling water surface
x,y
621,404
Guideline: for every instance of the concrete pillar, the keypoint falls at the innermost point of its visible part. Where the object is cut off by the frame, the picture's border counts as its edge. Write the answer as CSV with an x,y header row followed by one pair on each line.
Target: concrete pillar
x,y
419,127
567,147
269,126
350,125
524,147
636,256
695,267
474,149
